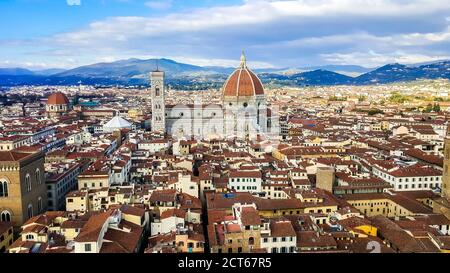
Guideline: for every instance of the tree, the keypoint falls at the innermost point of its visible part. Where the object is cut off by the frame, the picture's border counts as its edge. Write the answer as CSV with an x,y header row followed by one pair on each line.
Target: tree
x,y
436,107
374,111
429,108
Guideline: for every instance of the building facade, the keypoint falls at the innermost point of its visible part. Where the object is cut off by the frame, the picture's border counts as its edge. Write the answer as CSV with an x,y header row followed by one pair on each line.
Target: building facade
x,y
57,105
158,101
242,113
23,192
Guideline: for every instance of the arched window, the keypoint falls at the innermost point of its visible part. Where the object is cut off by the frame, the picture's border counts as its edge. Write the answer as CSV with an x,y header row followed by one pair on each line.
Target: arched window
x,y
30,211
257,114
5,216
3,189
38,176
29,237
251,241
157,91
27,182
39,204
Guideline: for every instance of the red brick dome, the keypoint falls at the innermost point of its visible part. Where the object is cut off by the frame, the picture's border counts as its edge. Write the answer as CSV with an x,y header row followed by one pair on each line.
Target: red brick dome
x,y
57,99
243,82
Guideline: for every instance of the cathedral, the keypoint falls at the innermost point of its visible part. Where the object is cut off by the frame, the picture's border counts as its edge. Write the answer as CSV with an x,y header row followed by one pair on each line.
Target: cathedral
x,y
242,113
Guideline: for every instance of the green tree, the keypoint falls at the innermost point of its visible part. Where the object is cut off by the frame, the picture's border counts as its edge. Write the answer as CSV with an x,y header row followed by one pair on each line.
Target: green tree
x,y
436,107
374,111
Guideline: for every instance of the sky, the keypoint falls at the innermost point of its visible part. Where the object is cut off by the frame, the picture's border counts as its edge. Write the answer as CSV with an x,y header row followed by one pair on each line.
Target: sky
x,y
42,34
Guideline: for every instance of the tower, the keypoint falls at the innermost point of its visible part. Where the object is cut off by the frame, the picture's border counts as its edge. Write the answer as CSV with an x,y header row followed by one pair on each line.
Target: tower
x,y
158,101
446,174
325,178
442,205
23,192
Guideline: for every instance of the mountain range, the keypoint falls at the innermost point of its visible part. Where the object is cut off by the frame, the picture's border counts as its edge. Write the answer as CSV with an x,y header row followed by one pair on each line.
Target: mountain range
x,y
135,72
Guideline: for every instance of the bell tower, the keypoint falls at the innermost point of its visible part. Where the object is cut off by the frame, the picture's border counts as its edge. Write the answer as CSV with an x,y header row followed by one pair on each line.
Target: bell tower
x,y
446,172
158,101
442,204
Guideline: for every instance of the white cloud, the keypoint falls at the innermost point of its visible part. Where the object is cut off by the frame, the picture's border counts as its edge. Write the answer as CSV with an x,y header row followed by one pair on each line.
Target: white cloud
x,y
281,33
374,59
159,4
73,2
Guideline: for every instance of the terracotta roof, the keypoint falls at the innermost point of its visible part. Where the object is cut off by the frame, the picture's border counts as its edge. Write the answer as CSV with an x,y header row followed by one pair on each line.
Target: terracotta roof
x,y
93,227
250,216
173,213
73,224
282,229
13,156
246,174
313,239
398,237
123,240
164,196
243,83
126,209
57,99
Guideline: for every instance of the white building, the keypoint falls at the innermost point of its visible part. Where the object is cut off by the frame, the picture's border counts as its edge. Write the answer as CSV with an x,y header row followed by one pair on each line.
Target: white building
x,y
410,178
245,181
242,113
169,220
278,236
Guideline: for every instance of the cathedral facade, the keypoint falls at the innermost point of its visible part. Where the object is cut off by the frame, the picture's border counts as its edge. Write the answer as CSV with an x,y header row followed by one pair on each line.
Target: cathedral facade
x,y
243,112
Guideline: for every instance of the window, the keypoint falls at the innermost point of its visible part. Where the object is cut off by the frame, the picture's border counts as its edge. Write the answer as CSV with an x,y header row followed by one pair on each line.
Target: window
x,y
5,216
3,189
274,250
251,241
29,237
38,176
39,204
27,182
70,200
87,247
30,211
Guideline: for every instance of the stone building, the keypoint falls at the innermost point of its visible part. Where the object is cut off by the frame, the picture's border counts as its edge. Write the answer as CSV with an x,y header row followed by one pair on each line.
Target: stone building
x,y
57,105
23,192
242,113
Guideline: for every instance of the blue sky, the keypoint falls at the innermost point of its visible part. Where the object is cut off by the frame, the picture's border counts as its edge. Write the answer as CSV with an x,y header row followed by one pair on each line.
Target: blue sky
x,y
41,34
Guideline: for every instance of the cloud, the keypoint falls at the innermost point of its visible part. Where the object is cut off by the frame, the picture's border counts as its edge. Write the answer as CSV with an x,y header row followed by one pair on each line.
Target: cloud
x,y
376,59
273,33
73,2
159,4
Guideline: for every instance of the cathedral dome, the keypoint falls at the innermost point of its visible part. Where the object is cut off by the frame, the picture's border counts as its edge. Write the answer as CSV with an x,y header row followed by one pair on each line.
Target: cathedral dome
x,y
243,82
57,99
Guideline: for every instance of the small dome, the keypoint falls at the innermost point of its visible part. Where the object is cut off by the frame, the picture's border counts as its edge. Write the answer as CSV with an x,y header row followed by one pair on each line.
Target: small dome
x,y
117,123
57,99
243,82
